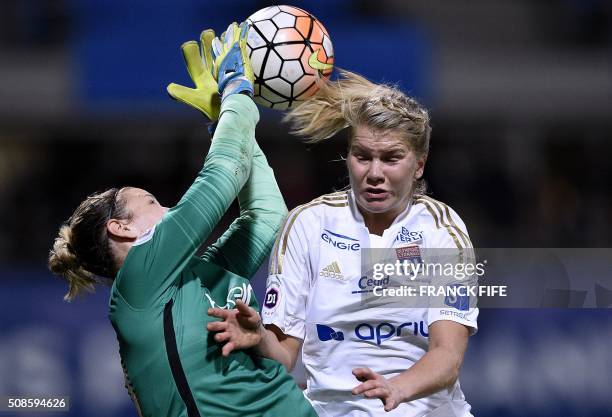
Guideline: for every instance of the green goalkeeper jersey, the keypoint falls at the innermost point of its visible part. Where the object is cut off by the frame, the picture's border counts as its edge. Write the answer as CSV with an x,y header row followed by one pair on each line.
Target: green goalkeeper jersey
x,y
160,297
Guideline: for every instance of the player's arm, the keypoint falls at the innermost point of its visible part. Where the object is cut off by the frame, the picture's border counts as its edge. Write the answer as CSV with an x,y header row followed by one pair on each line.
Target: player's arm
x,y
225,171
249,239
284,305
448,334
241,328
279,346
438,369
288,288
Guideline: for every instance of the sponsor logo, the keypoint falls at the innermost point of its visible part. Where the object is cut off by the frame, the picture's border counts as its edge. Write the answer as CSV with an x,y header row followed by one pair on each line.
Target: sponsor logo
x,y
375,332
367,284
460,302
451,313
242,292
326,333
273,294
339,241
332,271
314,62
384,331
406,236
410,254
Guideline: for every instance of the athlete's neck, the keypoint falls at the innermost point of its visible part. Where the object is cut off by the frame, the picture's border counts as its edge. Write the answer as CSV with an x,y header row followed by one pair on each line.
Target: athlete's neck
x,y
119,249
377,223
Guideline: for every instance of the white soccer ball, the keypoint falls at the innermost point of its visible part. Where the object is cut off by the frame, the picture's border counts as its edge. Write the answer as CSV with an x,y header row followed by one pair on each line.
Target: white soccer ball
x,y
290,51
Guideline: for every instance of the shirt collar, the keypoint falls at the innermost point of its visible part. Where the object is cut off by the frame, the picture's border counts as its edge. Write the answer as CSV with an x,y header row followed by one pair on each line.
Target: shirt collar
x,y
359,217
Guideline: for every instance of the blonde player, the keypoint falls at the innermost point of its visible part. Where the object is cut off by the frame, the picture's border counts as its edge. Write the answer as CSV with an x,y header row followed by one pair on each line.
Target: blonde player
x,y
365,360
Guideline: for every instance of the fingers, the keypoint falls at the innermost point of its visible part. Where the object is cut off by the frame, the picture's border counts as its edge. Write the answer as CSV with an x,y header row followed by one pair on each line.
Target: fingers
x,y
227,349
223,337
375,386
244,309
243,37
248,317
219,313
363,374
206,38
231,35
217,48
380,392
366,386
370,377
389,404
244,31
181,93
193,59
217,326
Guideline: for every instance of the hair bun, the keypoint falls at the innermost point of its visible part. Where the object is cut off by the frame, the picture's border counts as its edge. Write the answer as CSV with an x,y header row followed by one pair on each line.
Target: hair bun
x,y
62,257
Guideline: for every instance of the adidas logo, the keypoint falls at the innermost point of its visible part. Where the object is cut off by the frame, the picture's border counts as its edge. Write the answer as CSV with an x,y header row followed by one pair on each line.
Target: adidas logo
x,y
332,271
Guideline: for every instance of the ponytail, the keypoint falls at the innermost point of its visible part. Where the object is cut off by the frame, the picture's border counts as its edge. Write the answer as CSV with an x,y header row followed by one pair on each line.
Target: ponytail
x,y
81,253
352,101
63,261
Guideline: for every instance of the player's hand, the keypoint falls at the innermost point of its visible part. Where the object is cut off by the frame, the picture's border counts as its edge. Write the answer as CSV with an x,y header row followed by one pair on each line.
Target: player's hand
x,y
200,65
232,65
240,328
376,386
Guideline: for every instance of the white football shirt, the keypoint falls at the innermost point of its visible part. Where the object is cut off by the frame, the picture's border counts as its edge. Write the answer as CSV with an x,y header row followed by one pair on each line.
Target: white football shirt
x,y
314,292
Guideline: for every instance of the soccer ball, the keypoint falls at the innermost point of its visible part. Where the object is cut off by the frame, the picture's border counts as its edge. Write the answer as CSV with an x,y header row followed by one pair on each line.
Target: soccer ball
x,y
290,52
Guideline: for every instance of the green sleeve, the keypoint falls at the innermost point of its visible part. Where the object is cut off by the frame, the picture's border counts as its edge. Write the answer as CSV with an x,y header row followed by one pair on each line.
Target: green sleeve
x,y
249,239
152,266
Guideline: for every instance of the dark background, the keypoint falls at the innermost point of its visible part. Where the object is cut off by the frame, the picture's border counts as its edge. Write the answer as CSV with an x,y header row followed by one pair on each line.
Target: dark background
x,y
520,99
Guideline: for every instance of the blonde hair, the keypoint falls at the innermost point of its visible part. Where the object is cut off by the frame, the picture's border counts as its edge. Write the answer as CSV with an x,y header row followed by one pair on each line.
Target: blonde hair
x,y
63,261
81,253
353,101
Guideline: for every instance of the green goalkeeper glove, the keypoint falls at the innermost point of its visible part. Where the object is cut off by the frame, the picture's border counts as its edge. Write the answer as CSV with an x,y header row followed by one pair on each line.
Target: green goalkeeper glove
x,y
200,65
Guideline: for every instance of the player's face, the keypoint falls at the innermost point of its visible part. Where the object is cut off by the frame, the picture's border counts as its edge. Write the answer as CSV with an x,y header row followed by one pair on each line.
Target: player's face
x,y
145,209
382,170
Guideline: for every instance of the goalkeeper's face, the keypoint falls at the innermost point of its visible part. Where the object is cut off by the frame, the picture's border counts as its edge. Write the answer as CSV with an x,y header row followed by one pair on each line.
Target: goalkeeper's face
x,y
382,170
144,209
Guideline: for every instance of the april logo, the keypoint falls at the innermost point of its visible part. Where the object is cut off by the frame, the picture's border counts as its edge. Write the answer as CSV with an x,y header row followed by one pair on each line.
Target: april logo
x,y
326,333
383,331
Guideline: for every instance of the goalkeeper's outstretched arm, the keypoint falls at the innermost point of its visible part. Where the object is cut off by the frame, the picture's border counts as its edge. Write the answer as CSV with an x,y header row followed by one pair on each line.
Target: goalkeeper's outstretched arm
x,y
249,239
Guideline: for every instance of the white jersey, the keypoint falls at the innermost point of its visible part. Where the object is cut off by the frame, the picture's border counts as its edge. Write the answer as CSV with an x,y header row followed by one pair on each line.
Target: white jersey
x,y
313,293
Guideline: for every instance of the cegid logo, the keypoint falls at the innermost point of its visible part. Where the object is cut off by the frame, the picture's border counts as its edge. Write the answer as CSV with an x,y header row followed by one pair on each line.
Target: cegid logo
x,y
384,331
340,241
367,284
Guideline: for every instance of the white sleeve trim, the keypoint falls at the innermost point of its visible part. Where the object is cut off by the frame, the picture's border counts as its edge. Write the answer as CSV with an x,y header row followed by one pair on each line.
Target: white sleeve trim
x,y
145,237
467,318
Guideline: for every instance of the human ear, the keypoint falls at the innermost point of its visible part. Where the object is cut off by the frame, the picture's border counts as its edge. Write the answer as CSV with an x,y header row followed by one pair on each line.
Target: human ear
x,y
420,168
117,228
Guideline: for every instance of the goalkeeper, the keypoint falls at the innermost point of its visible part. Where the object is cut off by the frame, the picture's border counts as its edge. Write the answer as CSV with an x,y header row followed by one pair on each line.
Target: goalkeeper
x,y
161,291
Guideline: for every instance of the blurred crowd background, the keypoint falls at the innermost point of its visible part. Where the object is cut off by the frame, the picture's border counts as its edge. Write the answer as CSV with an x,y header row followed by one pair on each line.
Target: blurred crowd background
x,y
520,95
